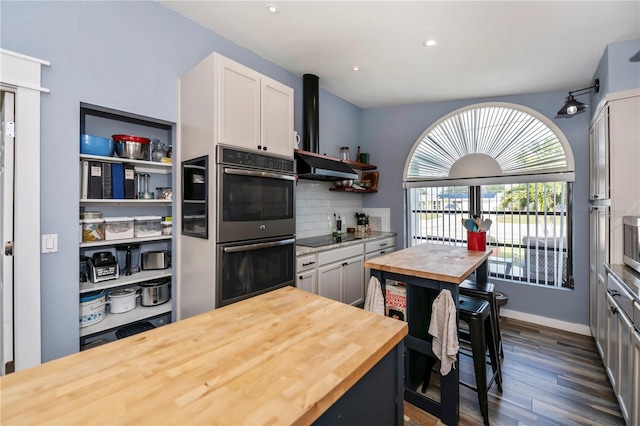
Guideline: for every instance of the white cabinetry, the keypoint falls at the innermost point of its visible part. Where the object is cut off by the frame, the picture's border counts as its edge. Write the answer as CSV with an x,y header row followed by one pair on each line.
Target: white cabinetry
x,y
612,362
614,192
620,361
341,274
599,156
598,256
252,111
635,373
623,135
375,249
104,122
306,273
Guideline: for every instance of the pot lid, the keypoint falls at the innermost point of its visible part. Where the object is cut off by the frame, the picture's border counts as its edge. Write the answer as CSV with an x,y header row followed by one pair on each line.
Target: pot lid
x,y
123,292
92,296
154,283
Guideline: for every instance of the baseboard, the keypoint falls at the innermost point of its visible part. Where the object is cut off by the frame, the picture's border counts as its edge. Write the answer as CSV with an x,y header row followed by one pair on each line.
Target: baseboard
x,y
547,322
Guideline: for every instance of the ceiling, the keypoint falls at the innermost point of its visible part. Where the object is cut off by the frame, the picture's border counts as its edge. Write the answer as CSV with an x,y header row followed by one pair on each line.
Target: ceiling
x,y
485,48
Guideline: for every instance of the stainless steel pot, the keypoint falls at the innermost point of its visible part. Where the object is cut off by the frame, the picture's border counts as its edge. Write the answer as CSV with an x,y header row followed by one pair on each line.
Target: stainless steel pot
x,y
154,293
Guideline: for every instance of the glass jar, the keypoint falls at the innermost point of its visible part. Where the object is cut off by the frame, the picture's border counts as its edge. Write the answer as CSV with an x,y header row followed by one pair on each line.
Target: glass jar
x,y
344,153
159,151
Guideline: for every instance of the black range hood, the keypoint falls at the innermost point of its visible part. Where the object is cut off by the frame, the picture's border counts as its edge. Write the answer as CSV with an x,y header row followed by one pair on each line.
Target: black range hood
x,y
321,167
310,164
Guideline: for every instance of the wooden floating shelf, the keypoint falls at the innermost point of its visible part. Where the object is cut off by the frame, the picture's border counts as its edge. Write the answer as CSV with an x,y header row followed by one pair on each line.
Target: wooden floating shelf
x,y
353,164
353,190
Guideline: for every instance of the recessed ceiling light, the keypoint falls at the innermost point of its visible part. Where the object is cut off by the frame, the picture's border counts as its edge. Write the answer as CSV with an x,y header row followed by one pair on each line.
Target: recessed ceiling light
x,y
272,8
430,43
355,68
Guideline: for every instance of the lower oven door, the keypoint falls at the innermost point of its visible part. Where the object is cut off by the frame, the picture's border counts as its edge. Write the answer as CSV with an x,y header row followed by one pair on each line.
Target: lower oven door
x,y
249,268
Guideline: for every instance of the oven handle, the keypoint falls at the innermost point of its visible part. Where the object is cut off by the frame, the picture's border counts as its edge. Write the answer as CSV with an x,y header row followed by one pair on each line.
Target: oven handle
x,y
240,172
258,246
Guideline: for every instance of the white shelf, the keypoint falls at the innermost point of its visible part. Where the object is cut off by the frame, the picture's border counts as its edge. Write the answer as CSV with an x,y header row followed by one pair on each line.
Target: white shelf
x,y
140,165
123,241
123,202
125,280
116,320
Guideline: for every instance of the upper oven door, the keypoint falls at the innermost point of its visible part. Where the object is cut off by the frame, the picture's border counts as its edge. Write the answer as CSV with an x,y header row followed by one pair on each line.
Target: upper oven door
x,y
254,204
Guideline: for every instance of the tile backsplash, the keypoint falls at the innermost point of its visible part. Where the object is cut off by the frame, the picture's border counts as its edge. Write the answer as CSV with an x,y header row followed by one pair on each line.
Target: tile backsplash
x,y
316,204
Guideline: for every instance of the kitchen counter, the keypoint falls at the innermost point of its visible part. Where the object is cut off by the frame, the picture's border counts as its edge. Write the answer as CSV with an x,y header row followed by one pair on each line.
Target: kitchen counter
x,y
629,277
283,357
373,235
427,269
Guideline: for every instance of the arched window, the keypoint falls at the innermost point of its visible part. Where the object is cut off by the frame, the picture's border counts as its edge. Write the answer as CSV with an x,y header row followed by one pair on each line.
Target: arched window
x,y
508,164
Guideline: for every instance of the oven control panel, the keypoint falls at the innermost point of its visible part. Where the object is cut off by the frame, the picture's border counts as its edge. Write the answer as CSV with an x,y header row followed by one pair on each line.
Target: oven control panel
x,y
238,157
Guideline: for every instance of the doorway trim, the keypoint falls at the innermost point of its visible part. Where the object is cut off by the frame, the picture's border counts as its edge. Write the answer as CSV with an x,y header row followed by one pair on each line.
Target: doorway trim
x,y
21,74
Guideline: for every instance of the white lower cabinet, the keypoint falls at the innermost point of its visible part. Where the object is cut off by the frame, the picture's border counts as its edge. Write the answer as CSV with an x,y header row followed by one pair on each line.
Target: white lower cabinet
x,y
341,274
612,342
622,348
625,379
375,249
330,281
337,274
353,281
635,375
306,273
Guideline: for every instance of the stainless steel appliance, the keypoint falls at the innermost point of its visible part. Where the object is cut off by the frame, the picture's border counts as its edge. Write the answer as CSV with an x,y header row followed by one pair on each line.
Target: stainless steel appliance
x,y
154,293
249,268
156,260
631,251
256,195
255,224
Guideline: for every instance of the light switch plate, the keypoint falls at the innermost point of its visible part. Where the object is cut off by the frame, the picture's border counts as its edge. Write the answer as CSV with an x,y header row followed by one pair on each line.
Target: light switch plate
x,y
50,243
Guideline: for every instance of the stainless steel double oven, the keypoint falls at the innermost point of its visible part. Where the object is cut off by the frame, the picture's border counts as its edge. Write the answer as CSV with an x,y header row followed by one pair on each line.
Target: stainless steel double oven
x,y
255,233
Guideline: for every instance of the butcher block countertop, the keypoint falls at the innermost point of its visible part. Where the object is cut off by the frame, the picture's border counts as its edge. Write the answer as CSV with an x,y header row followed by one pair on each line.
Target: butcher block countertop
x,y
438,262
283,357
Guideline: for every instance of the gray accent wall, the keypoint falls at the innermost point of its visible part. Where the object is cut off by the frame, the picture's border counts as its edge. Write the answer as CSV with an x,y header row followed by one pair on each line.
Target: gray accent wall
x,y
392,132
615,71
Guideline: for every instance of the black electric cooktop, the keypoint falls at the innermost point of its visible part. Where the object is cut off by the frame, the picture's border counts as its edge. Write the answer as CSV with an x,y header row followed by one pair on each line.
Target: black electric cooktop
x,y
325,240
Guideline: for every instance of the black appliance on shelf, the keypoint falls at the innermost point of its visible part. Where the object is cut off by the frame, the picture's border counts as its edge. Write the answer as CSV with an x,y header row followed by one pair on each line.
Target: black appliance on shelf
x,y
103,266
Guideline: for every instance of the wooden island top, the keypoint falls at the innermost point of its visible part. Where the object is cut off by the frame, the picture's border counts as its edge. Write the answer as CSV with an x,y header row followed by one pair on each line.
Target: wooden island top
x,y
283,357
452,264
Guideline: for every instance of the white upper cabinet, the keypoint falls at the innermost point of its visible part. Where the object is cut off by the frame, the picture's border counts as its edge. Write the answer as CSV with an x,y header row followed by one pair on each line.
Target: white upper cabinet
x,y
276,127
599,158
252,111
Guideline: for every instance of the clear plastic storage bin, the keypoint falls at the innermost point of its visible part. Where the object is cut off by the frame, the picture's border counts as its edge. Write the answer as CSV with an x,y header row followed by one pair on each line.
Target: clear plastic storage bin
x,y
118,228
167,227
92,230
148,226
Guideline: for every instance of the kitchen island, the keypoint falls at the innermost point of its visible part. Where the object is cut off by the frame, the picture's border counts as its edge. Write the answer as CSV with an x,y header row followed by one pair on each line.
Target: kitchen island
x,y
284,357
426,269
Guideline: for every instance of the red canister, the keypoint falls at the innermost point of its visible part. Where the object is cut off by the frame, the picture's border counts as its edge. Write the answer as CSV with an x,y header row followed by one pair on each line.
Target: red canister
x,y
476,240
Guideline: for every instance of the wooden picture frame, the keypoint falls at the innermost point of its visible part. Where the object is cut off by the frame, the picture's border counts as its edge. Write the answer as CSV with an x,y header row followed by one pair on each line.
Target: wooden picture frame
x,y
373,177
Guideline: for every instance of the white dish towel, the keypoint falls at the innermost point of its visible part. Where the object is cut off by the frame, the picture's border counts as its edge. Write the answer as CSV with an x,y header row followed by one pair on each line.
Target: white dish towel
x,y
444,330
374,302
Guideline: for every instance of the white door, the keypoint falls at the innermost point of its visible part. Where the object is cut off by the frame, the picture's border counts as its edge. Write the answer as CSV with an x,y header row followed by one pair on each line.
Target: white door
x,y
6,232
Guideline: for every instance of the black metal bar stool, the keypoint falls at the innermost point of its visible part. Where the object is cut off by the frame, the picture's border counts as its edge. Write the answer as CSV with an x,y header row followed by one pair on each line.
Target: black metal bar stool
x,y
485,291
477,314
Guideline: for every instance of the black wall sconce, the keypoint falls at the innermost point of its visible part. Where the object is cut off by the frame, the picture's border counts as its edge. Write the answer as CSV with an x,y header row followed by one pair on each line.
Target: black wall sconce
x,y
572,106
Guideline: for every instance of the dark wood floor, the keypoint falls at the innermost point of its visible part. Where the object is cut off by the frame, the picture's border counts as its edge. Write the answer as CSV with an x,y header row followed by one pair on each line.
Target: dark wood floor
x,y
550,377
